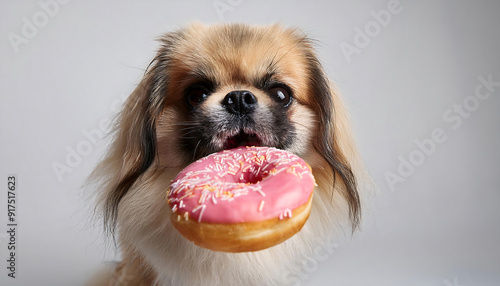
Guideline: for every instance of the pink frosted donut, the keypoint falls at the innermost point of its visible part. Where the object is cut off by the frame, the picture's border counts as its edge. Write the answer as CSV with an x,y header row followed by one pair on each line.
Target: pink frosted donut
x,y
243,199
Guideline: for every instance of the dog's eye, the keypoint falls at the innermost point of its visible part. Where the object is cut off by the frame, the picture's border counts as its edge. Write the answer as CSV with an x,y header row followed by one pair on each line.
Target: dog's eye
x,y
281,95
196,96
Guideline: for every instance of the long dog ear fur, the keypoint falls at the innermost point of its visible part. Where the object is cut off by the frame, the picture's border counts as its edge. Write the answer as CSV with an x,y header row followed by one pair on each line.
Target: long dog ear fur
x,y
333,141
133,150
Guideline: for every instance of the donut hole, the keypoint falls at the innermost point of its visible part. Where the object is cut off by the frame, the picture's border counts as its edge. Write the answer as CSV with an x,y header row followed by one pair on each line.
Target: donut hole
x,y
254,178
255,175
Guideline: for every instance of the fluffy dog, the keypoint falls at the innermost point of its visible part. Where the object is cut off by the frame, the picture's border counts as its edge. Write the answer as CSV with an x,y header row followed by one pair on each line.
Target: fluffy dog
x,y
211,88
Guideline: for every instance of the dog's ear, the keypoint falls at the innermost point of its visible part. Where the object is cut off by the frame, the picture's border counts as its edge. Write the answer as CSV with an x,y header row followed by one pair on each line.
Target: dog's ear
x,y
133,150
333,140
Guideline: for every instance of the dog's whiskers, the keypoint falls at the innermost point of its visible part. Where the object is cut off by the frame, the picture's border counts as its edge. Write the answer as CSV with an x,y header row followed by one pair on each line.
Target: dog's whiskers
x,y
191,131
195,149
187,123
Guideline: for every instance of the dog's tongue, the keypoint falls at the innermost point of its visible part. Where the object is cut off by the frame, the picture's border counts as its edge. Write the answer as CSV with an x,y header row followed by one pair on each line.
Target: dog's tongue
x,y
242,139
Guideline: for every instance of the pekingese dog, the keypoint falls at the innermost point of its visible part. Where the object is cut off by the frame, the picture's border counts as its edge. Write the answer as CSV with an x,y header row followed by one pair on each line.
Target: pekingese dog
x,y
211,88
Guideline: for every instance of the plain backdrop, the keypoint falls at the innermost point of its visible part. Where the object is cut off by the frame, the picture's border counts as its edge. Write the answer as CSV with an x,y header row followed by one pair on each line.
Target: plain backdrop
x,y
410,79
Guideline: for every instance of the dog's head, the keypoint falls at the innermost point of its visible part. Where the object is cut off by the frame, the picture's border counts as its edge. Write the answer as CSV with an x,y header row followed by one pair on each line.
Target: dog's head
x,y
217,87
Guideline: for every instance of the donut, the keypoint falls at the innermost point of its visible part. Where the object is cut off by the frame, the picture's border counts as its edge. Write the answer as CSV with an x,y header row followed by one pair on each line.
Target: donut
x,y
242,199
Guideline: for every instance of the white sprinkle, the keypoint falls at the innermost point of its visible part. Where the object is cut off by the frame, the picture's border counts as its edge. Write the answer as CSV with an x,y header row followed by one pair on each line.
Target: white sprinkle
x,y
246,156
265,167
178,189
197,208
174,208
202,207
260,192
203,197
261,206
287,213
279,171
218,167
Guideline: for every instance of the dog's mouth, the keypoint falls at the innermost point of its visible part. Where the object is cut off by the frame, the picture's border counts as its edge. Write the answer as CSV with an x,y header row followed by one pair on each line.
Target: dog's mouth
x,y
242,139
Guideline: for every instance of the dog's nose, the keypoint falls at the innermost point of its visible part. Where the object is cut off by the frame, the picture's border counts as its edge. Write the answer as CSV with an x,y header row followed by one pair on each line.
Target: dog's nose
x,y
240,102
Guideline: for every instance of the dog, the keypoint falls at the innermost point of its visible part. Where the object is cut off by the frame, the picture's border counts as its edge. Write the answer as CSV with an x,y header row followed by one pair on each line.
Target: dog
x,y
216,87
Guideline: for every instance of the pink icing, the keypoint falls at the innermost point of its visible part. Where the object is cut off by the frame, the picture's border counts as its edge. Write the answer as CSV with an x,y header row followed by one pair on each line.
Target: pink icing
x,y
245,184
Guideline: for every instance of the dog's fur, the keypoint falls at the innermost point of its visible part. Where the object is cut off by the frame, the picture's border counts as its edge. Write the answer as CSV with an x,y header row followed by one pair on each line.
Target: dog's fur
x,y
159,132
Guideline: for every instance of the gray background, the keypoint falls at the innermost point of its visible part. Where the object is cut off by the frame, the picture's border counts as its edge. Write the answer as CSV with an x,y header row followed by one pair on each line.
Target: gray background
x,y
439,226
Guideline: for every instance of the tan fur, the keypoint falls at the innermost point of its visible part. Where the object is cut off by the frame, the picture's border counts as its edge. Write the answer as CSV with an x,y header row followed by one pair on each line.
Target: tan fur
x,y
152,250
